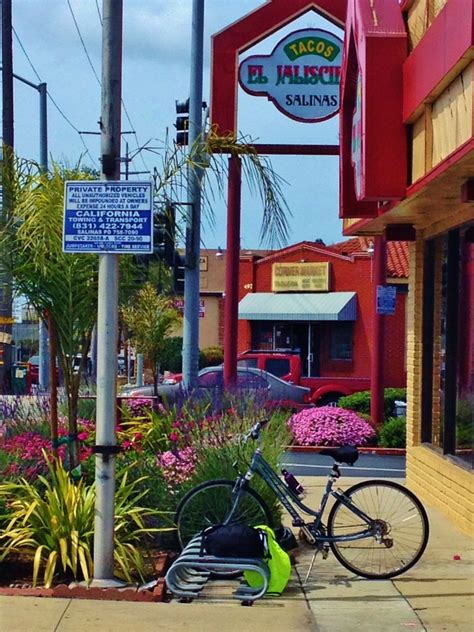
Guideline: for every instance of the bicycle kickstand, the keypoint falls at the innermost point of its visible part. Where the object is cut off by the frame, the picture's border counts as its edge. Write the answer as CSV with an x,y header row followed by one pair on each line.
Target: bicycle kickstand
x,y
316,551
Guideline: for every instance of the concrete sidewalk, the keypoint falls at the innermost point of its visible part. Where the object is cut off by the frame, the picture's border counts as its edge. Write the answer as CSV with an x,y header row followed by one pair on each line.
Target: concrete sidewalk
x,y
436,595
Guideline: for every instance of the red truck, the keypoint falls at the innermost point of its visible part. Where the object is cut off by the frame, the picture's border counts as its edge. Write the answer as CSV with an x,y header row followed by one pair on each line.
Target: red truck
x,y
286,364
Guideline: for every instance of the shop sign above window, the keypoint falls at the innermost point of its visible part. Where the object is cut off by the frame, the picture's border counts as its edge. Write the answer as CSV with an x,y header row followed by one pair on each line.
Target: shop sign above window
x,y
300,277
301,76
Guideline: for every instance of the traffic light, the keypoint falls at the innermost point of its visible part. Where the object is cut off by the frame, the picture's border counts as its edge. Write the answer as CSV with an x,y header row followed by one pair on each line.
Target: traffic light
x,y
178,274
164,234
182,122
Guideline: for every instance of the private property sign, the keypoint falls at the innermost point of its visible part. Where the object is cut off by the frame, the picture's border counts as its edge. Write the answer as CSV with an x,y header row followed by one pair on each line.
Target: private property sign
x,y
301,75
110,216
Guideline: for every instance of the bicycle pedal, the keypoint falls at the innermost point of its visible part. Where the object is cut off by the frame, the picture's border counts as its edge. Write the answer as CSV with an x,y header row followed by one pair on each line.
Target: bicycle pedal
x,y
306,535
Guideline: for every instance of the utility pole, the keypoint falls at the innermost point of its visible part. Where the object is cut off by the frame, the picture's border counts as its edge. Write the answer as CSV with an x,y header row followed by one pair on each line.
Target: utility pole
x,y
107,320
7,166
43,369
193,219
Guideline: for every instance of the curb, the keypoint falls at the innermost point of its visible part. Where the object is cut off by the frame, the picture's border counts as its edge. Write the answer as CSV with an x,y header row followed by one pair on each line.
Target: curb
x,y
362,450
75,591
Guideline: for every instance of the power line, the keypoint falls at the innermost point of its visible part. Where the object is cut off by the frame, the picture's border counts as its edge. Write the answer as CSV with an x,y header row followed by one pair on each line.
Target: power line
x,y
132,126
83,43
26,55
135,135
51,98
96,74
98,12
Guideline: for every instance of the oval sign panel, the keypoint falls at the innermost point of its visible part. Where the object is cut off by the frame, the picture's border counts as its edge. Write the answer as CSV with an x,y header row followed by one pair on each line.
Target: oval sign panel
x,y
301,76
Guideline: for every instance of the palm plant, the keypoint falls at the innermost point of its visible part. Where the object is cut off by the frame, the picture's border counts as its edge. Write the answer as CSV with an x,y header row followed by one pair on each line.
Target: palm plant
x,y
55,524
151,318
207,157
62,287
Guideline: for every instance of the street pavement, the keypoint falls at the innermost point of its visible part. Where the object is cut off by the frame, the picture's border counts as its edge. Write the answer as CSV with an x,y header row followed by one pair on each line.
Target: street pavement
x,y
435,596
368,465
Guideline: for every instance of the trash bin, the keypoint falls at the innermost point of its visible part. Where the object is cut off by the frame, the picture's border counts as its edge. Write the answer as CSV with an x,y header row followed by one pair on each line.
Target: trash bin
x,y
400,409
19,379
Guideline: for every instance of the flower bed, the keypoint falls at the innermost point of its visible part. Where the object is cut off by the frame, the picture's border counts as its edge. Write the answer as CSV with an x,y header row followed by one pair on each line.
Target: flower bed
x,y
164,453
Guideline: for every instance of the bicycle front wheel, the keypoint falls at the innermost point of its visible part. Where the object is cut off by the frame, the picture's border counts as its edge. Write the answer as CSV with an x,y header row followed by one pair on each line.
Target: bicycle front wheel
x,y
403,524
210,503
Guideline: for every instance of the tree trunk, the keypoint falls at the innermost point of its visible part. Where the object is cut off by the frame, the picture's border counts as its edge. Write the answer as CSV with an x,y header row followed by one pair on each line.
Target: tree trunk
x,y
53,385
156,370
73,445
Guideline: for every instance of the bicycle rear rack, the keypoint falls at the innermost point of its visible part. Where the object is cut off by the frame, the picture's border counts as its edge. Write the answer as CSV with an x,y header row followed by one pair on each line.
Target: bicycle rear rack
x,y
191,571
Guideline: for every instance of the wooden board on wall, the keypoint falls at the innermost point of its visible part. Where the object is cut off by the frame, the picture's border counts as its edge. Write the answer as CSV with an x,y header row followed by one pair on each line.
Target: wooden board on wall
x,y
452,116
418,168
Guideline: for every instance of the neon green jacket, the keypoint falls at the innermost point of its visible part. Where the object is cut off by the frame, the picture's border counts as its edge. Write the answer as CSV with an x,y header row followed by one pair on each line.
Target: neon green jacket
x,y
279,565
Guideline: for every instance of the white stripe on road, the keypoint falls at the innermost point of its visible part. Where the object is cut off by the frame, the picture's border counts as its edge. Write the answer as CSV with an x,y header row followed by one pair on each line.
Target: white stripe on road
x,y
355,467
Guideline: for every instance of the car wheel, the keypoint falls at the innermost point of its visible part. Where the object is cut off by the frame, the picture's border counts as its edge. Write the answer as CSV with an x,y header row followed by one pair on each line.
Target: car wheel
x,y
331,399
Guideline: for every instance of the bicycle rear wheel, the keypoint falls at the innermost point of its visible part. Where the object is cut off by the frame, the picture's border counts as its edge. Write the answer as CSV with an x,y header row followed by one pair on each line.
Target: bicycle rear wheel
x,y
210,503
404,525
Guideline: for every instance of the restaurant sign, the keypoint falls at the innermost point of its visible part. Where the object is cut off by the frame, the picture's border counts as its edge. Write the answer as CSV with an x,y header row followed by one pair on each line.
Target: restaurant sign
x,y
301,75
300,277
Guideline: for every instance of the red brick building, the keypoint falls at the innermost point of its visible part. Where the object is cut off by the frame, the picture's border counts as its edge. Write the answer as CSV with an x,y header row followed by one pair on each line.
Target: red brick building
x,y
325,311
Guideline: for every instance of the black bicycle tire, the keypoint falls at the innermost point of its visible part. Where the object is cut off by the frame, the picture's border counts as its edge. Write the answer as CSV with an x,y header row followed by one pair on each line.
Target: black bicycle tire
x,y
216,482
424,520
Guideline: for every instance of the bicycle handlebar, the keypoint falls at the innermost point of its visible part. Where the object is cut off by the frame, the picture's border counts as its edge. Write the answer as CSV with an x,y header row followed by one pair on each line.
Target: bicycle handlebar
x,y
254,432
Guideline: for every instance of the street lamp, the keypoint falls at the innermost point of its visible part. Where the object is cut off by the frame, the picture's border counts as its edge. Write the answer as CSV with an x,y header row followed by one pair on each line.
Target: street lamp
x,y
43,161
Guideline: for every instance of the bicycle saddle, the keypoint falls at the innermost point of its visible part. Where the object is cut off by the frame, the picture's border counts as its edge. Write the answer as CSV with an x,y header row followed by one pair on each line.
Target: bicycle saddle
x,y
345,454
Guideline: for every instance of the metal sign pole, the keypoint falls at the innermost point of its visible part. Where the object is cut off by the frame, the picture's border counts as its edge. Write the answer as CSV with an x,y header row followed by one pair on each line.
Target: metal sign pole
x,y
107,327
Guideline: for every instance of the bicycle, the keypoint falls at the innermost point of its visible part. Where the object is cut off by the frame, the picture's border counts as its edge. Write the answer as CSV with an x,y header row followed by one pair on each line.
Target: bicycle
x,y
377,529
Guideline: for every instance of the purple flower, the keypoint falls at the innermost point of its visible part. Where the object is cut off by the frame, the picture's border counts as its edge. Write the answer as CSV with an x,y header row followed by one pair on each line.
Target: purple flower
x,y
177,467
330,426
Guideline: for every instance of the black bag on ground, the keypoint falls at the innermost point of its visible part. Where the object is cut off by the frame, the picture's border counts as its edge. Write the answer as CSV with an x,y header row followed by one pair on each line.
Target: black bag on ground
x,y
233,540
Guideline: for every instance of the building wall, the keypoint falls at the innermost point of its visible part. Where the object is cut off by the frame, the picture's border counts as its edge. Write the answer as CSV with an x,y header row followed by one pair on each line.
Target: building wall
x,y
442,484
438,479
209,330
438,113
347,274
444,124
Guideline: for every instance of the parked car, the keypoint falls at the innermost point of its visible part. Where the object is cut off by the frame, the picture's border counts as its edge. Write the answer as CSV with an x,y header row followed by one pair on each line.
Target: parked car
x,y
286,364
211,380
33,370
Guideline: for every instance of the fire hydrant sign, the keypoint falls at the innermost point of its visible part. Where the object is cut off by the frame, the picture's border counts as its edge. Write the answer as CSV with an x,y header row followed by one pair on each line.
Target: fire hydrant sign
x,y
111,216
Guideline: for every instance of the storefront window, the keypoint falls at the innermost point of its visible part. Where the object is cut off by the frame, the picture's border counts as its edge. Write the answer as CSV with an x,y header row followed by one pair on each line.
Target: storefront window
x,y
448,375
262,338
340,347
283,335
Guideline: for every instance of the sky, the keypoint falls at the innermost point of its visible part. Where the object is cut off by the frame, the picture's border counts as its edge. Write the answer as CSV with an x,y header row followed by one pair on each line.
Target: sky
x,y
156,60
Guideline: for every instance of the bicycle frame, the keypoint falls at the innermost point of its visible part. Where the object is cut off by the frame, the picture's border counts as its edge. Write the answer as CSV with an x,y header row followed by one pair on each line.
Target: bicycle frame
x,y
289,499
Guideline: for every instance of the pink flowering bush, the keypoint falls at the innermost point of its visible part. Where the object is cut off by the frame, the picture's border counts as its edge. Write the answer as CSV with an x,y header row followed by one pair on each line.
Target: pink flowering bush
x,y
23,452
141,407
328,425
177,467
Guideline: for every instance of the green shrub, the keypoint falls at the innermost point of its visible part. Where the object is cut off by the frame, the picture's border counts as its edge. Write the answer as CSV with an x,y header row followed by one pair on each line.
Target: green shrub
x,y
86,409
360,402
393,433
171,358
211,356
